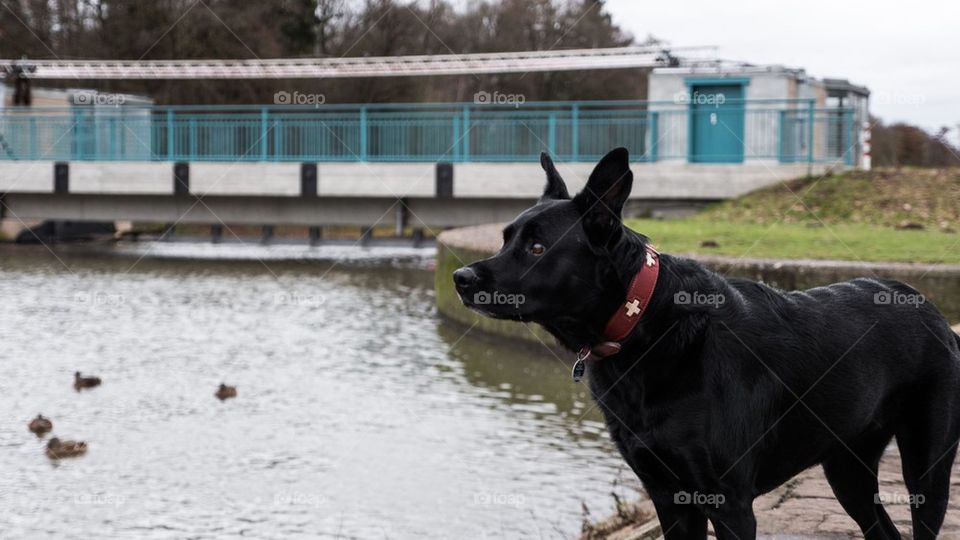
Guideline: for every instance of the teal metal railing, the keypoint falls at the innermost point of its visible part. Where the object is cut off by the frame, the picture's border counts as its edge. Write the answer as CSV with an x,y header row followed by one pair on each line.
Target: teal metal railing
x,y
788,131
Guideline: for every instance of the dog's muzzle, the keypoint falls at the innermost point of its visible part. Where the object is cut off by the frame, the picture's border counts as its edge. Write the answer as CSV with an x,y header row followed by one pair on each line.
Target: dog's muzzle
x,y
464,278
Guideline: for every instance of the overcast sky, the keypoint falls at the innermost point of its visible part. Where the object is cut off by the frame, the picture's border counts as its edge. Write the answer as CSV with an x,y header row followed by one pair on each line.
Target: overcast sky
x,y
906,53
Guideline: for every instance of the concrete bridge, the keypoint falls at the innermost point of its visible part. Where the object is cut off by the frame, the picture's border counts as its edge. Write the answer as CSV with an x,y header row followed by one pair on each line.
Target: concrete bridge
x,y
429,196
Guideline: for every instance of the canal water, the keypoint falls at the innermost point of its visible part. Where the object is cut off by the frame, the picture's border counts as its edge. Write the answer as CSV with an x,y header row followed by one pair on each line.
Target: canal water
x,y
360,414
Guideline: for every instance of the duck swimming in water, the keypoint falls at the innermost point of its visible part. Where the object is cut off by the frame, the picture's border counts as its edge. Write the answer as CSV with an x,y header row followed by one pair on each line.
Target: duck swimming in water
x,y
80,382
40,425
225,392
57,449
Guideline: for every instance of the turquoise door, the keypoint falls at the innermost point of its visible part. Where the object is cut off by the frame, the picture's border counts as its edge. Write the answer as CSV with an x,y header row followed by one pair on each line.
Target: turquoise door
x,y
716,123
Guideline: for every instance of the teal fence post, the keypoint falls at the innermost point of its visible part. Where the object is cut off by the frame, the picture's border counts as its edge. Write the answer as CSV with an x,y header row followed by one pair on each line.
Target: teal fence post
x,y
170,138
466,133
575,132
278,150
850,151
113,138
34,145
363,133
193,139
552,133
456,137
264,130
810,131
654,137
78,135
780,140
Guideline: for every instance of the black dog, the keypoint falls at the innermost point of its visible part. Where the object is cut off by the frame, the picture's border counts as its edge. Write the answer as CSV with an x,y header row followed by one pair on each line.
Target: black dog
x,y
719,389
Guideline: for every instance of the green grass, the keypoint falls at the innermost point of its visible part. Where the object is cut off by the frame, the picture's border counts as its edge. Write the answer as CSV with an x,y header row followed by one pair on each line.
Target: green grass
x,y
795,241
853,216
884,198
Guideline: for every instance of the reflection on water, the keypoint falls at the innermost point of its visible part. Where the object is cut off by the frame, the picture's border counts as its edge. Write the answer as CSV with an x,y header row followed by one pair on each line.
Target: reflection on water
x,y
359,414
528,380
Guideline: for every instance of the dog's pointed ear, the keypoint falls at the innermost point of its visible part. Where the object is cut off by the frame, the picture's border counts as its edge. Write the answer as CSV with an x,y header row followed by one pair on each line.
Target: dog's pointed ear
x,y
556,188
601,201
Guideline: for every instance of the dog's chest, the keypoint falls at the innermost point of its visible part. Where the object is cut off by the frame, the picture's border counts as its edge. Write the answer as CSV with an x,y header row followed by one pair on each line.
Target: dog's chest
x,y
661,454
660,439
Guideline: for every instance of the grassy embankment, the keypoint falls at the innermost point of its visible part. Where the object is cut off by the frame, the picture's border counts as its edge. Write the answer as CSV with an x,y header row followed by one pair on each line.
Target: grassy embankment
x,y
910,215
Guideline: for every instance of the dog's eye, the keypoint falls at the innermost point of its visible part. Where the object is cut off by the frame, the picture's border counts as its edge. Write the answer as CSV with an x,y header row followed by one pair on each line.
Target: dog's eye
x,y
537,249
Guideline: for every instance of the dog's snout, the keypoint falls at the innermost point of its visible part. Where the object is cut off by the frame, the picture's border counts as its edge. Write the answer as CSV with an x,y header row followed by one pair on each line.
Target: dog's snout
x,y
464,277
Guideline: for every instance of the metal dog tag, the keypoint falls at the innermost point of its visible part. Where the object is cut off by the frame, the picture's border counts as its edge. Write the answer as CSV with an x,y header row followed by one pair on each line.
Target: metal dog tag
x,y
578,368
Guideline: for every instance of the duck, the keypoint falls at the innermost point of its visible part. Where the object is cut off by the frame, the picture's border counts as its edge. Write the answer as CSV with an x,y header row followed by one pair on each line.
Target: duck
x,y
40,425
57,449
225,392
80,382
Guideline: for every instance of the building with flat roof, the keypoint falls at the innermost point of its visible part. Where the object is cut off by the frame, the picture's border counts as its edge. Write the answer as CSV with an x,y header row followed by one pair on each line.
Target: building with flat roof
x,y
736,113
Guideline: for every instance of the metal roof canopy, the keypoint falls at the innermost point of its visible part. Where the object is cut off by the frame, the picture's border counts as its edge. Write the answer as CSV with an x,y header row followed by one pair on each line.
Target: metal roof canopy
x,y
381,66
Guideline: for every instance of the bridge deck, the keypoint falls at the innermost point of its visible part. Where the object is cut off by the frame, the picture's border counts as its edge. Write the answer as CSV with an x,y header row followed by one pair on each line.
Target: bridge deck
x,y
363,194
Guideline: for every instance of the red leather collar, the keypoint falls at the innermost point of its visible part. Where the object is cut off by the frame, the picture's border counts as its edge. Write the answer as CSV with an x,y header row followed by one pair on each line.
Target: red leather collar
x,y
625,319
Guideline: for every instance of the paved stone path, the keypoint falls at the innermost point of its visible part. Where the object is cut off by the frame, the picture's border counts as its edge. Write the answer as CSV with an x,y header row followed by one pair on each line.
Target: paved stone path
x,y
805,509
806,505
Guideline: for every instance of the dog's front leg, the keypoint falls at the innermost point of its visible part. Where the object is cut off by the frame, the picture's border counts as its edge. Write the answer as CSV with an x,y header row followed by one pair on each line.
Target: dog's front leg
x,y
679,520
734,520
